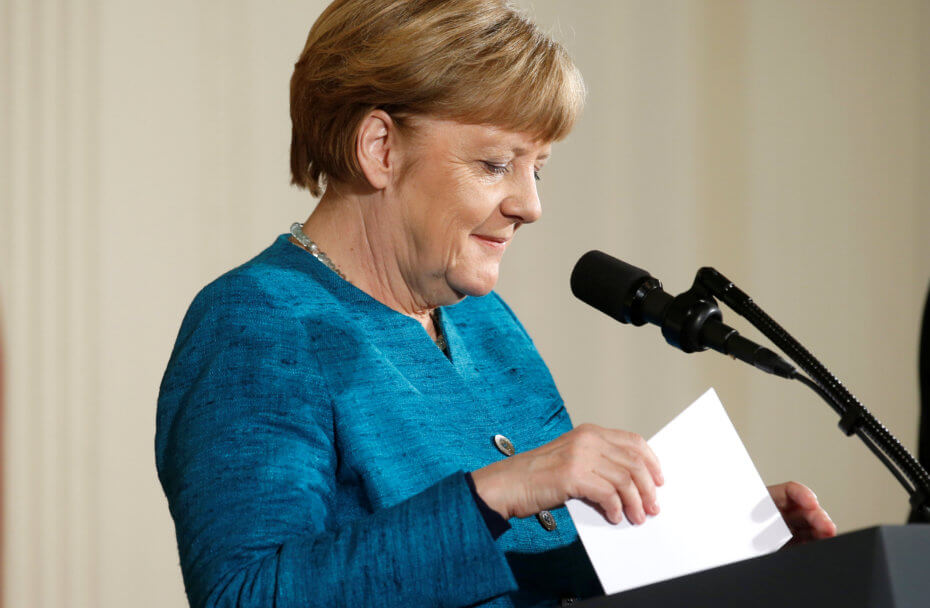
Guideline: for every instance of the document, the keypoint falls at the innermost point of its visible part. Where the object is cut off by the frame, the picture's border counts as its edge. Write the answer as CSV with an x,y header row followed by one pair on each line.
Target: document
x,y
714,508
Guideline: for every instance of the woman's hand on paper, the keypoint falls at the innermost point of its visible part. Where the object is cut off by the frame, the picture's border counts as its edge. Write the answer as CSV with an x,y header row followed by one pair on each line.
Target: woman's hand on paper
x,y
614,469
800,509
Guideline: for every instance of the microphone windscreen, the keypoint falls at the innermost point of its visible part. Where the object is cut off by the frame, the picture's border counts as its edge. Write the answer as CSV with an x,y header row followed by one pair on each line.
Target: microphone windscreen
x,y
606,283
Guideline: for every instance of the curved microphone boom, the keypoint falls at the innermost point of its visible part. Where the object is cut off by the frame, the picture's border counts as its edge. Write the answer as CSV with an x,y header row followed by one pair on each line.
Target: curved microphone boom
x,y
690,321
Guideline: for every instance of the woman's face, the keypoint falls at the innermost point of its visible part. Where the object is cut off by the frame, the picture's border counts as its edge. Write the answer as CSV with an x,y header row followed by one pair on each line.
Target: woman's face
x,y
463,192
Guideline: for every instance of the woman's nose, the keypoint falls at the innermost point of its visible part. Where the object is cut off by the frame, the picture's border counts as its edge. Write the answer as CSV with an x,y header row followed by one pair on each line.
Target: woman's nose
x,y
523,202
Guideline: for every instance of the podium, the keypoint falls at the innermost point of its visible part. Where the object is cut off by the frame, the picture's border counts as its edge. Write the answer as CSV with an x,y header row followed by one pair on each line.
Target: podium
x,y
887,567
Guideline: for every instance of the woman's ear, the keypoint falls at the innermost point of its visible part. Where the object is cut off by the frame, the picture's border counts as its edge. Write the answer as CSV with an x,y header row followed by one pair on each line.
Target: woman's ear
x,y
376,148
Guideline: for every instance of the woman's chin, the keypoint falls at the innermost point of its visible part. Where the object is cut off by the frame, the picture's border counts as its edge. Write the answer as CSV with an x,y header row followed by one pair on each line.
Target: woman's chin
x,y
476,285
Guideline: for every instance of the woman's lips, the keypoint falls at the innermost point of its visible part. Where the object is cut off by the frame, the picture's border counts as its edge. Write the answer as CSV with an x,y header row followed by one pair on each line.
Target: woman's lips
x,y
494,242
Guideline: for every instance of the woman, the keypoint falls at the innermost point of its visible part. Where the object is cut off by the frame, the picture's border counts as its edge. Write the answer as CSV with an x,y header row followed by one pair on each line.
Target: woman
x,y
354,417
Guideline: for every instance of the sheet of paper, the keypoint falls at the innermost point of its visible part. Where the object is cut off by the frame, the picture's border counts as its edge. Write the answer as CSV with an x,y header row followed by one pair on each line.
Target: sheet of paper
x,y
714,507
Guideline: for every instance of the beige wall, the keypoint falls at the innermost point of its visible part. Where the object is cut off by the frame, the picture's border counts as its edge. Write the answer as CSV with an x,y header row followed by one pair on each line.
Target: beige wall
x,y
143,150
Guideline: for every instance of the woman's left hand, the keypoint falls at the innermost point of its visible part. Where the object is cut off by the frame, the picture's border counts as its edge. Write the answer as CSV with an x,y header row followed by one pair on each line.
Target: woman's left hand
x,y
799,507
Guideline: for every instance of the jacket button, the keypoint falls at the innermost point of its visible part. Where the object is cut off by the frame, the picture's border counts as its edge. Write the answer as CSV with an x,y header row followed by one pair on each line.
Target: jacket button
x,y
567,601
548,522
504,445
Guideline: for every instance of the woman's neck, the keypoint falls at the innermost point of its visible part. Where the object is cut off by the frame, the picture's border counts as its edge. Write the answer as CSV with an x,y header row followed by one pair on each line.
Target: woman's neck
x,y
360,235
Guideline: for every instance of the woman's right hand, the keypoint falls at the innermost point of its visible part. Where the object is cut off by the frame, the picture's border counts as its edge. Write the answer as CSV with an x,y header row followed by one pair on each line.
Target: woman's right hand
x,y
614,469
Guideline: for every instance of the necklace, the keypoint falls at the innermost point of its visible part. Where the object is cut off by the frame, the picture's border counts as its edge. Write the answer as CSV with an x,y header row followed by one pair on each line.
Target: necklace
x,y
297,231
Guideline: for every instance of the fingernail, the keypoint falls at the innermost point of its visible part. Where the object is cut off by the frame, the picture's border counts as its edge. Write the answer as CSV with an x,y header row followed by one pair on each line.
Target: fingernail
x,y
654,508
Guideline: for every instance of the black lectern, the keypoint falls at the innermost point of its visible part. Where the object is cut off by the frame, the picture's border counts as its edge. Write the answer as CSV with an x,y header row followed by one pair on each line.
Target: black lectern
x,y
887,567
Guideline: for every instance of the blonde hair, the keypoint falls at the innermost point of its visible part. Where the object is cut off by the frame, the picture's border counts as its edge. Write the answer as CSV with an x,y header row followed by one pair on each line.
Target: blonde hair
x,y
475,61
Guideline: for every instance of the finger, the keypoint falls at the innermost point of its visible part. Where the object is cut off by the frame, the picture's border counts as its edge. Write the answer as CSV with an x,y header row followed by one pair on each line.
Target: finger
x,y
815,523
792,494
796,521
801,495
601,492
800,538
634,463
622,481
626,439
779,496
822,525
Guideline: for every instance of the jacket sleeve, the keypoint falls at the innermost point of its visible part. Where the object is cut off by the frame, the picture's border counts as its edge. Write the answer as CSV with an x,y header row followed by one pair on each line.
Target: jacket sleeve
x,y
245,454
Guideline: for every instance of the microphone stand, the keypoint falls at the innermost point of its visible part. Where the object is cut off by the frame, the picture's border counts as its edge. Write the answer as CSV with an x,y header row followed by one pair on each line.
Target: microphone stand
x,y
855,419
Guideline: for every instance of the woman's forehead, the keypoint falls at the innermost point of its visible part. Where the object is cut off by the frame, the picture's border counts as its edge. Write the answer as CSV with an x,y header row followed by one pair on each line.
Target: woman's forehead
x,y
491,138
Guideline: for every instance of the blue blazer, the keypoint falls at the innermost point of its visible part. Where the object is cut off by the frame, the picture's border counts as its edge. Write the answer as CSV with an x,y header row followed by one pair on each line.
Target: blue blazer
x,y
312,444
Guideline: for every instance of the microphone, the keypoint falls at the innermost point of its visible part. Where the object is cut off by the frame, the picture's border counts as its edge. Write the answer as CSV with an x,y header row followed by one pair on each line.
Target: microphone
x,y
691,321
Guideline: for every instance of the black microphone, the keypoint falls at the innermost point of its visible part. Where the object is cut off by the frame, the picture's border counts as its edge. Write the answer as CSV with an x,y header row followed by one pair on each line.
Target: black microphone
x,y
690,321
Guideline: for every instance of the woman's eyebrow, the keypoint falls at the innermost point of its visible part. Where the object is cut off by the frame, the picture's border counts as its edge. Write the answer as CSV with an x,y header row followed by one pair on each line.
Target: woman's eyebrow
x,y
519,151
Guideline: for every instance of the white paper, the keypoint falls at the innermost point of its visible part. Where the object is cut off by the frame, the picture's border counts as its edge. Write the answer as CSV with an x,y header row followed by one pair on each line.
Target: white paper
x,y
714,508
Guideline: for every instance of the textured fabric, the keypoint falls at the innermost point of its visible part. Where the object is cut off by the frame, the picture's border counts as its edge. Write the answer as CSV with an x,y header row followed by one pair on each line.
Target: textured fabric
x,y
312,445
496,523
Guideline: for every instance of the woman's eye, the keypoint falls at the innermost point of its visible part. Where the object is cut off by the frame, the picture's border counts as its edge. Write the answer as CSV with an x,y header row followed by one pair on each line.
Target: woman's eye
x,y
496,169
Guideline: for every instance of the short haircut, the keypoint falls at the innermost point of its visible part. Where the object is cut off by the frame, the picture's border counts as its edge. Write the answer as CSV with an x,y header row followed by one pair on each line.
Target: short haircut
x,y
474,61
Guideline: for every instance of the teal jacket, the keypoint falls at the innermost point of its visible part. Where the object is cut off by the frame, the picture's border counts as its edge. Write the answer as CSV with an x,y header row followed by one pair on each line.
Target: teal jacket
x,y
313,443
